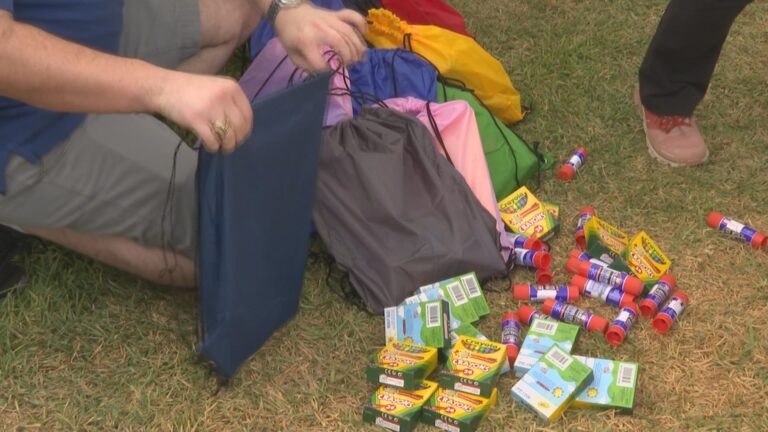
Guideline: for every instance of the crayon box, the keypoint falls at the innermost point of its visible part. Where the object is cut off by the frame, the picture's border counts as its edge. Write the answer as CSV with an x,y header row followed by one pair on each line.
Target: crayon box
x,y
604,241
473,366
645,259
398,409
456,411
552,384
524,214
613,385
402,365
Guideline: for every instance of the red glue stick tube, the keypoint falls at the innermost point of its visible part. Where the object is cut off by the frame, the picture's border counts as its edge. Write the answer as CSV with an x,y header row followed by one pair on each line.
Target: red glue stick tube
x,y
520,241
539,293
671,312
526,314
621,324
608,294
628,283
737,229
583,256
510,336
574,163
657,296
585,214
532,258
544,276
571,314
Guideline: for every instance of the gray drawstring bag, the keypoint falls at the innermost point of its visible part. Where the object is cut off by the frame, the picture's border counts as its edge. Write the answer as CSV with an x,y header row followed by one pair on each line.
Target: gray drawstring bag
x,y
394,213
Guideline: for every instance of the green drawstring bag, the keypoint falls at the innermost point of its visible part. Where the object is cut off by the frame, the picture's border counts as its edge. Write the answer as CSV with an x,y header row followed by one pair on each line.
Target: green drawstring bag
x,y
511,161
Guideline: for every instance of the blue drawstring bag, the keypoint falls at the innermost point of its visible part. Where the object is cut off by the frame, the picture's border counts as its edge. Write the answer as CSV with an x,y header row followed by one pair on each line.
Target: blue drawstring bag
x,y
390,73
253,241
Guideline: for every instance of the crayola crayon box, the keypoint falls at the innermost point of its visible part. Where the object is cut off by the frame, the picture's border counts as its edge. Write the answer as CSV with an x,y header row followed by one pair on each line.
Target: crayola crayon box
x,y
604,241
554,211
552,384
613,385
645,259
398,409
453,291
473,366
542,335
424,323
402,365
456,411
523,213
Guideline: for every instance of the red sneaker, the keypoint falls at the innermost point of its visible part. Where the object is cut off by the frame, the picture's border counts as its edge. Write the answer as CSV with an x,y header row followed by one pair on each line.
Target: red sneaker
x,y
673,140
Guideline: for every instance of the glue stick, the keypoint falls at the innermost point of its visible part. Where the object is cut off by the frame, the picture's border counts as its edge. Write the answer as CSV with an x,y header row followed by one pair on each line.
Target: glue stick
x,y
583,256
630,284
657,296
526,314
621,324
568,169
532,258
671,312
585,214
570,313
538,293
608,294
510,336
520,241
737,229
544,276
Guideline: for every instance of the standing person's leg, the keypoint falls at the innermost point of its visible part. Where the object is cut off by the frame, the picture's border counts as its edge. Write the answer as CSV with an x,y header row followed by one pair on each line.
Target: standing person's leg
x,y
675,74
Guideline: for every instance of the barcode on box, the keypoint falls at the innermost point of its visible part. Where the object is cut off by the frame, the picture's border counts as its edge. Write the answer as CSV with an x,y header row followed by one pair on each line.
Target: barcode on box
x,y
544,326
390,323
433,315
626,376
445,426
387,424
559,358
456,293
471,284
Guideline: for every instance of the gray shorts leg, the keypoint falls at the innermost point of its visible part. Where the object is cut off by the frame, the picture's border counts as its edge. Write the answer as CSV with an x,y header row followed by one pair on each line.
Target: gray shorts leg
x,y
110,177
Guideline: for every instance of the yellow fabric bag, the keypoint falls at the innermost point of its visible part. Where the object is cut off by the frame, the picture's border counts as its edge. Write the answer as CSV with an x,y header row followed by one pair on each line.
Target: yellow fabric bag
x,y
454,55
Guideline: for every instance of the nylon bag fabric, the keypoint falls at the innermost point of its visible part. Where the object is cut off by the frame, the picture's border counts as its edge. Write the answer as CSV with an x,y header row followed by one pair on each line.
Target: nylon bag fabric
x,y
391,73
362,6
255,208
454,130
265,32
273,70
394,213
455,56
511,161
428,12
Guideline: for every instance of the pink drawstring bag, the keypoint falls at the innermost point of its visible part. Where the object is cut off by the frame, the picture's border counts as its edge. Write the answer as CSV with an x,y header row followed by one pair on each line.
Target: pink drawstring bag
x,y
273,70
454,128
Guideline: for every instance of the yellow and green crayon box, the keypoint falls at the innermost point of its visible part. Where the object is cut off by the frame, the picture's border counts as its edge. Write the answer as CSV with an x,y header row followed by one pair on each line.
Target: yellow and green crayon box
x,y
552,384
456,411
398,409
402,365
645,259
424,323
604,241
523,213
613,385
473,366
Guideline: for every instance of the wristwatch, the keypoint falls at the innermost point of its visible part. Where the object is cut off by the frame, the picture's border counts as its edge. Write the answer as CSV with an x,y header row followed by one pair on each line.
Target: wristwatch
x,y
278,5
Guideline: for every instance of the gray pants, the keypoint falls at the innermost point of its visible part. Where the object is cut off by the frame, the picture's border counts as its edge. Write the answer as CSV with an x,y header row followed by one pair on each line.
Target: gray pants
x,y
110,177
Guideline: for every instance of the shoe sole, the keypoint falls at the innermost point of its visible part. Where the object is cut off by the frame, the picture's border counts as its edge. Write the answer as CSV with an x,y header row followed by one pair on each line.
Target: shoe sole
x,y
652,151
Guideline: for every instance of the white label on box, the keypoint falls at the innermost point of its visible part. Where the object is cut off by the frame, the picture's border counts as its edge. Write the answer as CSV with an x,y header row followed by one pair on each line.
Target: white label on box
x,y
471,284
433,315
559,358
544,326
626,376
445,426
387,424
466,388
390,323
386,379
456,293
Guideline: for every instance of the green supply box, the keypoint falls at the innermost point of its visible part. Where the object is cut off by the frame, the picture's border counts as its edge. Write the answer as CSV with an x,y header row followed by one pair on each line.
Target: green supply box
x,y
425,323
613,386
543,334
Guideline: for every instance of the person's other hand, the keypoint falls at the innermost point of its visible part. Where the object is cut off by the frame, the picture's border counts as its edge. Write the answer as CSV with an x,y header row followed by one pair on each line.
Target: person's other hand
x,y
201,103
303,30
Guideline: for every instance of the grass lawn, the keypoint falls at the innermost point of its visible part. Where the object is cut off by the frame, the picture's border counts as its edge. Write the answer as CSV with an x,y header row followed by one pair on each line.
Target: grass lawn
x,y
83,347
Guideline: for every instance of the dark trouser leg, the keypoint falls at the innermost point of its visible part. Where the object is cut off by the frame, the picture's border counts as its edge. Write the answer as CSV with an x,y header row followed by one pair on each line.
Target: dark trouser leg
x,y
683,53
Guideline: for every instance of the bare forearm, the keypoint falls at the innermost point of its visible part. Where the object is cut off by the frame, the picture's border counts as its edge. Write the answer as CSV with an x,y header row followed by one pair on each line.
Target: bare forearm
x,y
48,72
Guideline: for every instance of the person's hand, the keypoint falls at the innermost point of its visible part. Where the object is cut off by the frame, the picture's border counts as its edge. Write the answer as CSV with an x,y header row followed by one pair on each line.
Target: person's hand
x,y
214,108
303,30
